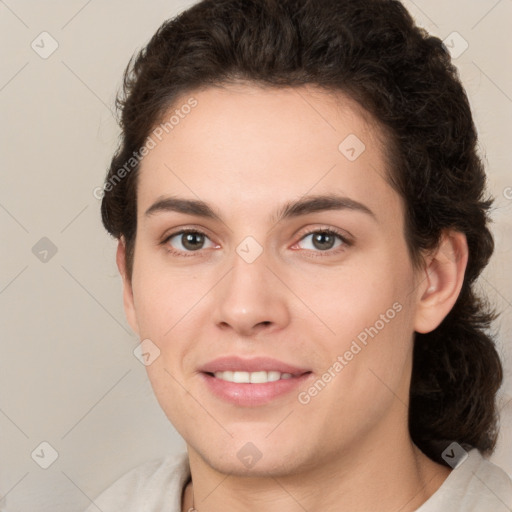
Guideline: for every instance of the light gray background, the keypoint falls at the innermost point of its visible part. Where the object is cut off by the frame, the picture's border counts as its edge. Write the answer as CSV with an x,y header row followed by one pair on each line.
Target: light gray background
x,y
68,373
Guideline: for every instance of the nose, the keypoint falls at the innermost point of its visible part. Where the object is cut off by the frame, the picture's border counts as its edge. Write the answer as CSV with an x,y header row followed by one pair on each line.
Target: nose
x,y
252,298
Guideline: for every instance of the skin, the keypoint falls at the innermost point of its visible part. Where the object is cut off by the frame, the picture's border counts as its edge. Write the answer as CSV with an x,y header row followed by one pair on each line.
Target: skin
x,y
246,151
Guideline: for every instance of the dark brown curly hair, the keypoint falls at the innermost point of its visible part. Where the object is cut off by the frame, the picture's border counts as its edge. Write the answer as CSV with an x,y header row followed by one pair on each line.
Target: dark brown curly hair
x,y
372,51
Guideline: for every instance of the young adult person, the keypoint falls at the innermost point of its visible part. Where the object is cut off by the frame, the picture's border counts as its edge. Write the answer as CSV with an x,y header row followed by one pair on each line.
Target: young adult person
x,y
302,215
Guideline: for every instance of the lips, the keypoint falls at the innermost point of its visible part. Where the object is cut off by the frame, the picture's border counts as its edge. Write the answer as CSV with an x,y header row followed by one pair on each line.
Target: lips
x,y
256,364
252,382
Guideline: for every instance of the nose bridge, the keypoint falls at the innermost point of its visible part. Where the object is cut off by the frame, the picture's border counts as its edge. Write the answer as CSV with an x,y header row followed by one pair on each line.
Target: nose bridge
x,y
248,278
248,294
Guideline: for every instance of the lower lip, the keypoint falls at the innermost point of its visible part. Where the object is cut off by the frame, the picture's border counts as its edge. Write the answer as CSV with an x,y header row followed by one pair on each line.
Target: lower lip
x,y
248,395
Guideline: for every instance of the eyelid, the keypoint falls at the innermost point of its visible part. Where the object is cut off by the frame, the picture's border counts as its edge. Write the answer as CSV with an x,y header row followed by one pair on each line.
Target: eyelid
x,y
346,240
344,235
182,231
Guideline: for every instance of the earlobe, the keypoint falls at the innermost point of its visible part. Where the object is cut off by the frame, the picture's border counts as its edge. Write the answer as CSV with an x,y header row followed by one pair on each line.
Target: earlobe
x,y
128,302
440,287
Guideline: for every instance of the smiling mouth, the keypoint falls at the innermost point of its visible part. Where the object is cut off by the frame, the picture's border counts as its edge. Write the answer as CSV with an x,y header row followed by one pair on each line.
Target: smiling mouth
x,y
244,388
259,377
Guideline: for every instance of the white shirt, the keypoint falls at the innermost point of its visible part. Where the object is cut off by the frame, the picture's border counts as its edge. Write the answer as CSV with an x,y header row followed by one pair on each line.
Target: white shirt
x,y
476,485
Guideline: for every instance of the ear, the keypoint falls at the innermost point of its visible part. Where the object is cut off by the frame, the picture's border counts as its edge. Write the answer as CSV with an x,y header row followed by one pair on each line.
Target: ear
x,y
440,286
129,306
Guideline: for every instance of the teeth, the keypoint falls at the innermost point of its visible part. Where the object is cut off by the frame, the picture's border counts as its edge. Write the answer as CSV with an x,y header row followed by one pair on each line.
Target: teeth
x,y
252,377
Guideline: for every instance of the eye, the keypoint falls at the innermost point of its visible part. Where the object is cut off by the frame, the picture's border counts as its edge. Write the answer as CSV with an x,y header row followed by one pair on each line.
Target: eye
x,y
187,240
324,240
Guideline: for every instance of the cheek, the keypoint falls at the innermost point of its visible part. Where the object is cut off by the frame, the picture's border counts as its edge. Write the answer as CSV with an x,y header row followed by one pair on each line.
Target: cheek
x,y
349,299
164,299
367,307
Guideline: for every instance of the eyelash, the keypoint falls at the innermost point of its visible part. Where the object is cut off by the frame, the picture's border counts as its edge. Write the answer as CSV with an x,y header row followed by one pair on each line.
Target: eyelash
x,y
330,252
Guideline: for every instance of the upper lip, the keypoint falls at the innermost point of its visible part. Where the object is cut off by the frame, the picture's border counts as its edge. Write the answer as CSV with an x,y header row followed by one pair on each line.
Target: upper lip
x,y
254,364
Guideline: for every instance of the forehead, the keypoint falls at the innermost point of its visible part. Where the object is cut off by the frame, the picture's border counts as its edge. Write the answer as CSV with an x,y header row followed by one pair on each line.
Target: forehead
x,y
245,145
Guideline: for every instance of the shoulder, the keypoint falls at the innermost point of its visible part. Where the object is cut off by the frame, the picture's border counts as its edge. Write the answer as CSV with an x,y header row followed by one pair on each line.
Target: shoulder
x,y
492,483
152,486
476,485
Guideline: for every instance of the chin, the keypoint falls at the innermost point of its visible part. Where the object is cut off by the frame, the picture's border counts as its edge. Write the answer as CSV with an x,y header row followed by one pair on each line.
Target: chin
x,y
239,456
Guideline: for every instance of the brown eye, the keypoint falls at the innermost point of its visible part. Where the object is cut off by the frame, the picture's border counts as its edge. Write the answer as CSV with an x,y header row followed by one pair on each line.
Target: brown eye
x,y
187,241
323,240
192,241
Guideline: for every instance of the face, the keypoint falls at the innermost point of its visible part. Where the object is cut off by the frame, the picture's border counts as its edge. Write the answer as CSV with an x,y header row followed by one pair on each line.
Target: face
x,y
296,277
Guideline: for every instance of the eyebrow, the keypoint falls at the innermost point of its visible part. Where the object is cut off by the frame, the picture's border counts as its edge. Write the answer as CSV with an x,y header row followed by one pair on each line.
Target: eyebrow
x,y
291,209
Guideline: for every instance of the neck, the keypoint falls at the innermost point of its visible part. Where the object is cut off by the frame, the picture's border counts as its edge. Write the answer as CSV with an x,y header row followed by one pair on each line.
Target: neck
x,y
389,476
